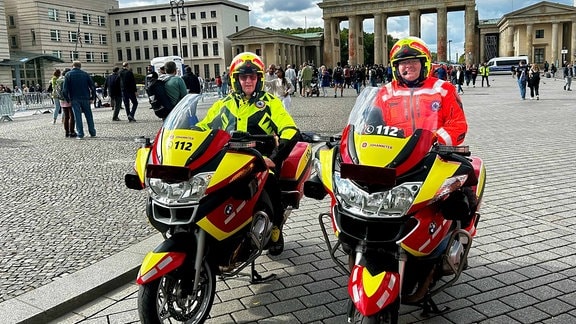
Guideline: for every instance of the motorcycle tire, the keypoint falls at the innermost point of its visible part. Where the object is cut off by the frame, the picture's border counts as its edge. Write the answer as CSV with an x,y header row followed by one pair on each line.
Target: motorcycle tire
x,y
388,315
163,300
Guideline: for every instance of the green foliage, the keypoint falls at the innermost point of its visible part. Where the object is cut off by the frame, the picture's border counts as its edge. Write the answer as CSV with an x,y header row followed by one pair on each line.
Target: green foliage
x,y
298,30
139,78
98,79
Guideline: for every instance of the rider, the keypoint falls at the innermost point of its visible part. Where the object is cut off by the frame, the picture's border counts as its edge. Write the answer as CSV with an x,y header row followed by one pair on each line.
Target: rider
x,y
414,96
413,91
257,112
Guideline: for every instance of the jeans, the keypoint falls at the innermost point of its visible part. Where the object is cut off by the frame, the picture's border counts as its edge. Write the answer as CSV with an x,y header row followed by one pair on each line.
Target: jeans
x,y
58,108
522,86
130,97
79,107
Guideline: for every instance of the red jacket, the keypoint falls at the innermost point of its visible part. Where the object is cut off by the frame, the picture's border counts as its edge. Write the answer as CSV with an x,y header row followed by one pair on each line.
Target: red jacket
x,y
434,106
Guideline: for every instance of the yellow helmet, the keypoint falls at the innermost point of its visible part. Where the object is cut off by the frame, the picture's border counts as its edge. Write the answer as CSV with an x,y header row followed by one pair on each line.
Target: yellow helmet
x,y
246,63
410,48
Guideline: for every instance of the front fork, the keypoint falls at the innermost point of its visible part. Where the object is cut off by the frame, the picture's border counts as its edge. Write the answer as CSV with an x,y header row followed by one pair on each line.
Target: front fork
x,y
200,248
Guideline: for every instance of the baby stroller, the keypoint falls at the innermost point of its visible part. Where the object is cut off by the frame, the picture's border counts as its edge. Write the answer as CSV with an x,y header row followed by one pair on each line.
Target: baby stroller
x,y
314,89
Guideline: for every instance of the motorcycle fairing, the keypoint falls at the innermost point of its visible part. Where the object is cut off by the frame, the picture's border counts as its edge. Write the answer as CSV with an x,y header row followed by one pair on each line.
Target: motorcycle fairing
x,y
226,217
142,156
371,293
420,242
296,168
186,147
232,167
437,174
157,264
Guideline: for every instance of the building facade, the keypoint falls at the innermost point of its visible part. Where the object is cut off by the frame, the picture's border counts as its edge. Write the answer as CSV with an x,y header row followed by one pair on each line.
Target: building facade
x,y
196,31
544,31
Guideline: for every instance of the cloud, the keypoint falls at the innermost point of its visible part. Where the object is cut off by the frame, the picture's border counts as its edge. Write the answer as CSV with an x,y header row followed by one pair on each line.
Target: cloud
x,y
291,6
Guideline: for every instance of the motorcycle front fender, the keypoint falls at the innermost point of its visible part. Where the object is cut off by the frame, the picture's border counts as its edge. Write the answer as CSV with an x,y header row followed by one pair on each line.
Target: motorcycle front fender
x,y
167,257
372,293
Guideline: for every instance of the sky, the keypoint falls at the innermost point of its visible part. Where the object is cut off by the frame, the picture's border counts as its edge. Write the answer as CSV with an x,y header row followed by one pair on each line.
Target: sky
x,y
278,14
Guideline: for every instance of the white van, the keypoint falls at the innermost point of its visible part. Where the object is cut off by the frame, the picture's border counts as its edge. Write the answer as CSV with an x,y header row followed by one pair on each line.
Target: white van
x,y
158,62
504,64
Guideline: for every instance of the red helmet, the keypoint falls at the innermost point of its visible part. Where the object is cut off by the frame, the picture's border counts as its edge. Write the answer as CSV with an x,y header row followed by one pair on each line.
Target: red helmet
x,y
246,63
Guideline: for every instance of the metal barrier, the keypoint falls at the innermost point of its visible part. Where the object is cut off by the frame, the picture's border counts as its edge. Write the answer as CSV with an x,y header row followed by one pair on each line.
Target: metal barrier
x,y
6,107
42,102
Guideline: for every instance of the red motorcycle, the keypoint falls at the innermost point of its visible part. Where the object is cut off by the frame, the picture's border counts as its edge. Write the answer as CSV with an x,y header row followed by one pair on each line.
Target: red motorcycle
x,y
404,210
211,195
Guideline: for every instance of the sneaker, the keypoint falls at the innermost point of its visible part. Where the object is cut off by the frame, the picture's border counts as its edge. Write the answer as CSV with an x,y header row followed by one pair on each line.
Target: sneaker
x,y
116,119
334,96
276,241
79,138
537,97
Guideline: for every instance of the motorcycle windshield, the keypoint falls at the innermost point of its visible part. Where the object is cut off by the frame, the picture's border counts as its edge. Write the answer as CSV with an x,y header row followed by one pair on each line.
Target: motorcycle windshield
x,y
384,127
183,116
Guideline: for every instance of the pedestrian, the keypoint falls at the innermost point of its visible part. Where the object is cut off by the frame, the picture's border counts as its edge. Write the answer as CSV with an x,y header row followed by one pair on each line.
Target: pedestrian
x,y
358,76
269,76
292,76
474,74
459,79
325,80
226,83
546,67
57,73
191,81
281,87
468,74
484,73
553,70
113,90
338,79
78,89
67,113
99,95
567,74
299,80
174,85
18,95
218,81
522,78
128,86
307,73
534,81
441,72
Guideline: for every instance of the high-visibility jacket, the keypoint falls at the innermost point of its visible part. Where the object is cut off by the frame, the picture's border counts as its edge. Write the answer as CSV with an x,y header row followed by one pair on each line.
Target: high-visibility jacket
x,y
484,70
262,114
434,106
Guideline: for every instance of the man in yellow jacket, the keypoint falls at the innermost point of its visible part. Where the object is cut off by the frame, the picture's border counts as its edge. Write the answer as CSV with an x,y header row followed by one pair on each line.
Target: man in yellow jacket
x,y
251,109
484,72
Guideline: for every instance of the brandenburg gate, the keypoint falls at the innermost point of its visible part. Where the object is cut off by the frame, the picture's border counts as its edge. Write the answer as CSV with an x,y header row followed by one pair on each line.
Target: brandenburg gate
x,y
355,11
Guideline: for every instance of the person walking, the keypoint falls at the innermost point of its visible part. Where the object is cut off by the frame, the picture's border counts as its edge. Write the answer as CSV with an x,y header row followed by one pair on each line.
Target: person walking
x,y
534,81
113,90
79,89
191,81
473,74
307,74
68,115
522,78
325,80
292,76
281,87
484,73
55,76
175,86
459,79
128,86
225,83
338,79
567,74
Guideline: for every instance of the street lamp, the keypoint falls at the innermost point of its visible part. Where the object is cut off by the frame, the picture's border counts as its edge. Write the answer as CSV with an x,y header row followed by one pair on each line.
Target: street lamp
x,y
449,54
179,15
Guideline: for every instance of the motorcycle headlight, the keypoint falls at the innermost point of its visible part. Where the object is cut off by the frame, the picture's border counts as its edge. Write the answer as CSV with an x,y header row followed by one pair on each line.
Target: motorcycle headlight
x,y
391,203
183,192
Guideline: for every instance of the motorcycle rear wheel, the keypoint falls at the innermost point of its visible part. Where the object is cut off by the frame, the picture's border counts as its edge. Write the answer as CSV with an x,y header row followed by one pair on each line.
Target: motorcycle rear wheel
x,y
164,300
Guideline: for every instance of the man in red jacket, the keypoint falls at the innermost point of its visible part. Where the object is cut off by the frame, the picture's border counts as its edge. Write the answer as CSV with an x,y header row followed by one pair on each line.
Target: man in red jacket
x,y
415,99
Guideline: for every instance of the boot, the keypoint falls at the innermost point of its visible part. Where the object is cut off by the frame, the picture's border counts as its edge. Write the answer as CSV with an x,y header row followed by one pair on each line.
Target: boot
x,y
276,241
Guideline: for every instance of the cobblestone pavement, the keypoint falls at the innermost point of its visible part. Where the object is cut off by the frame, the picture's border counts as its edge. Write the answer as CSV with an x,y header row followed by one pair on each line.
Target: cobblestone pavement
x,y
65,207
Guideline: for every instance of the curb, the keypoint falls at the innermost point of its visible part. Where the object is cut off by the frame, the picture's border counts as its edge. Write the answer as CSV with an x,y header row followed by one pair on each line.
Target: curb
x,y
67,294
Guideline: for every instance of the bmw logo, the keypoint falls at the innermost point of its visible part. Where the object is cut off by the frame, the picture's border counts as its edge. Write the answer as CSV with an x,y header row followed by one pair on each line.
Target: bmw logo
x,y
228,209
432,228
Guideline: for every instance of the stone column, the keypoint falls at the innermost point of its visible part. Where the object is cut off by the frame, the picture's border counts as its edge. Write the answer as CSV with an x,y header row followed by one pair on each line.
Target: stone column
x,y
352,44
263,53
275,58
318,58
328,45
385,48
415,22
573,41
510,41
359,41
470,21
554,45
442,33
529,49
335,41
378,39
482,57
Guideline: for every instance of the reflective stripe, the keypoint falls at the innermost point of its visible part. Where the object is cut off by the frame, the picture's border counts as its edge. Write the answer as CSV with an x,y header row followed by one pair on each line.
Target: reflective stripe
x,y
442,133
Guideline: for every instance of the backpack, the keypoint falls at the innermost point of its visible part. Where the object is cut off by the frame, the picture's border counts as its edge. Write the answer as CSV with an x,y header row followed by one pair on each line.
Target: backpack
x,y
158,98
338,73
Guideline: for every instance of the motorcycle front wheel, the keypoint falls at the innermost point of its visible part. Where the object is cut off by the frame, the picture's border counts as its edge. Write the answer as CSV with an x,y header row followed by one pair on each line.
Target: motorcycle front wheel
x,y
388,315
171,300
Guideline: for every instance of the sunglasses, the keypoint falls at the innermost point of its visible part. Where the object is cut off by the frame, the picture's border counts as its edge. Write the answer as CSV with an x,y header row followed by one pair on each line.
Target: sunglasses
x,y
244,77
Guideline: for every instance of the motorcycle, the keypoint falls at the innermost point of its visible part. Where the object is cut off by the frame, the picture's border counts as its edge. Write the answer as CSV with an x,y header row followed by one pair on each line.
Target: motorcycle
x,y
211,195
403,208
